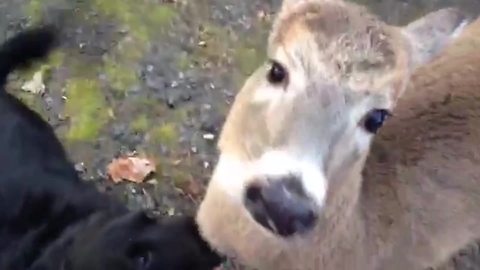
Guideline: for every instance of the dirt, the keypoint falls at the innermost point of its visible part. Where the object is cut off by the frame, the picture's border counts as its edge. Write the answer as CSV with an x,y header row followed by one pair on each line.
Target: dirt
x,y
157,78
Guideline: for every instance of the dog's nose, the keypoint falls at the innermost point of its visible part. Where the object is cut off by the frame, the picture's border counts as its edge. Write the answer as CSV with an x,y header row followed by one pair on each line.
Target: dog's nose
x,y
281,206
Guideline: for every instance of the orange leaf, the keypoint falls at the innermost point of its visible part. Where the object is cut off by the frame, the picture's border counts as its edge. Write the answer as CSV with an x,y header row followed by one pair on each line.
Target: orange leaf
x,y
134,169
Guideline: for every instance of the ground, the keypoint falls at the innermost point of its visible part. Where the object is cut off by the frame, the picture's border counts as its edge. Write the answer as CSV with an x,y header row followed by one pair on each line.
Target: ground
x,y
155,77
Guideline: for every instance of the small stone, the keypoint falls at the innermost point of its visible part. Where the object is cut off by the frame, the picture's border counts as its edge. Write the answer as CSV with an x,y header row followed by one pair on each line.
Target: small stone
x,y
202,43
209,136
80,167
152,182
261,14
102,77
49,102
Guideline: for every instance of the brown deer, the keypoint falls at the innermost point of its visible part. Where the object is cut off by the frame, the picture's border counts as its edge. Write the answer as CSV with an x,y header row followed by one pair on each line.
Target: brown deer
x,y
293,189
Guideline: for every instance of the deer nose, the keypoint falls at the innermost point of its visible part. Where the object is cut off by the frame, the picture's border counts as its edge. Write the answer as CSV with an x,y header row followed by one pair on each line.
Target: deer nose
x,y
281,206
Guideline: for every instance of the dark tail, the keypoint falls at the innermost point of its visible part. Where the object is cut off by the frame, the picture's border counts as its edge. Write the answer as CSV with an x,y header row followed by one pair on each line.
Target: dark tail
x,y
25,47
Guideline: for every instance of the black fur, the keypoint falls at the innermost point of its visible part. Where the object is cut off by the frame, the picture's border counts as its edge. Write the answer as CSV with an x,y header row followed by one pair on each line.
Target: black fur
x,y
50,219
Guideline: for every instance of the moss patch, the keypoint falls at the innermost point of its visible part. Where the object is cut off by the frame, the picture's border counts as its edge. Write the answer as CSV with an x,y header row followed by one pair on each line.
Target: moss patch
x,y
120,76
165,134
183,61
140,124
143,20
33,9
161,15
217,44
248,59
86,108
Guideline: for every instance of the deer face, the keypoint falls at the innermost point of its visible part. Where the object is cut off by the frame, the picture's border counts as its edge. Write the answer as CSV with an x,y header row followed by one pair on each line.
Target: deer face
x,y
303,122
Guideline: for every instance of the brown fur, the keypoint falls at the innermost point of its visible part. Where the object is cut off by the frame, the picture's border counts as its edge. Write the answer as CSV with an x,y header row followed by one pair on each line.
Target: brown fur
x,y
431,182
418,201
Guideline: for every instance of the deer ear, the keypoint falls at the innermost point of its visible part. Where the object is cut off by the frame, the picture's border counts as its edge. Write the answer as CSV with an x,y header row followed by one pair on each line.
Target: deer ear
x,y
431,33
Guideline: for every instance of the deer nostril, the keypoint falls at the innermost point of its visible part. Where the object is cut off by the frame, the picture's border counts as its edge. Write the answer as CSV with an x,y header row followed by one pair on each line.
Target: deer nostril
x,y
281,205
254,193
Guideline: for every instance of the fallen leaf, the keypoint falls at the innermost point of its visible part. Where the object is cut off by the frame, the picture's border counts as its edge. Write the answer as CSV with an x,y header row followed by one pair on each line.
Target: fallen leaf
x,y
134,169
36,85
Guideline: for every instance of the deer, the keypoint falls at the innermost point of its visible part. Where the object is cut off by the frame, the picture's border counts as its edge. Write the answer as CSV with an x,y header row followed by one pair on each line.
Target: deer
x,y
326,162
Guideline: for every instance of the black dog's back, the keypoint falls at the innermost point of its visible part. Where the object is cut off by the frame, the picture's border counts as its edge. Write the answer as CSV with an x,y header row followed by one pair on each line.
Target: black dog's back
x,y
51,220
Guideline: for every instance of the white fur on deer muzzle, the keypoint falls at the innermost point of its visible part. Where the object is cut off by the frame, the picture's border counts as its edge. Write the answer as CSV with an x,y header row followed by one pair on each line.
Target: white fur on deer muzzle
x,y
234,174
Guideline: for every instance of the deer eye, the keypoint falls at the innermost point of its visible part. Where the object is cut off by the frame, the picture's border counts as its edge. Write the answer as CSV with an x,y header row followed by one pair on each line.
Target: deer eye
x,y
277,73
373,121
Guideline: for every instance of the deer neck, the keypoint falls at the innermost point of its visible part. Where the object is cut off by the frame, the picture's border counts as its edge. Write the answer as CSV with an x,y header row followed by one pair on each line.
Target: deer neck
x,y
342,229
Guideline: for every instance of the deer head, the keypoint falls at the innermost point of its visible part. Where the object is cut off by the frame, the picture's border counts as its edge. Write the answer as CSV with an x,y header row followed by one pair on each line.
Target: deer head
x,y
300,128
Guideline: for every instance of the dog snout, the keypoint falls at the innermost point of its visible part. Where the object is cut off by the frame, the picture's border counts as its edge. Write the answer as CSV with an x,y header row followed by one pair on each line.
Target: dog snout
x,y
281,205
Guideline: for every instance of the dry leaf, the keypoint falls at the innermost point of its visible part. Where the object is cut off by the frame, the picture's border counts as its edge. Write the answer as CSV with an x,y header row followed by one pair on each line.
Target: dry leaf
x,y
134,169
36,85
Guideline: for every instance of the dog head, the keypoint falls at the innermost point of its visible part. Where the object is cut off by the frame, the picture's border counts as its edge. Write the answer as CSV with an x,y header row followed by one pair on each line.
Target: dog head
x,y
137,242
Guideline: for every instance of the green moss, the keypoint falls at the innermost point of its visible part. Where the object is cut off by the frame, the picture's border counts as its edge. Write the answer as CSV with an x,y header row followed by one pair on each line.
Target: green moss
x,y
140,124
81,68
144,102
56,58
33,9
181,114
142,19
165,134
183,61
161,15
129,50
248,59
86,108
121,77
217,43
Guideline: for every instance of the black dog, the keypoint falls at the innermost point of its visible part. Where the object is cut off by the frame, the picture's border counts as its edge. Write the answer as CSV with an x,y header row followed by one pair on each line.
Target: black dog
x,y
50,219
